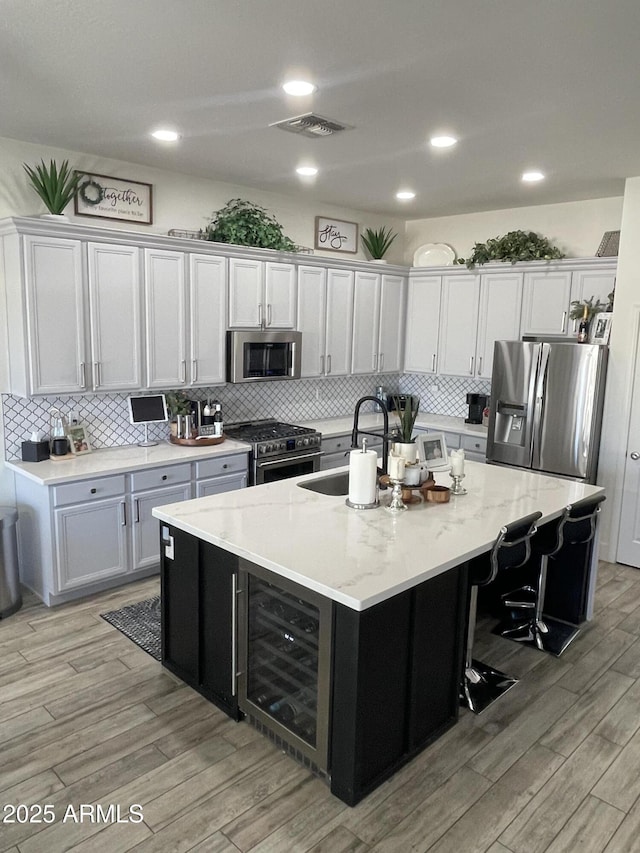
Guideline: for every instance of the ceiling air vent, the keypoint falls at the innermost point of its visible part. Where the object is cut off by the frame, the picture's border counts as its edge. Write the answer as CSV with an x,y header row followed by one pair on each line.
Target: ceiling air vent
x,y
311,125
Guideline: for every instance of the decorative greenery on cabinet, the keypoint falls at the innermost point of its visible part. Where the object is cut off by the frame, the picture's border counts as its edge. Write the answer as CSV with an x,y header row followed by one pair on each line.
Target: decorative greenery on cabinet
x,y
513,246
246,224
593,308
55,185
377,241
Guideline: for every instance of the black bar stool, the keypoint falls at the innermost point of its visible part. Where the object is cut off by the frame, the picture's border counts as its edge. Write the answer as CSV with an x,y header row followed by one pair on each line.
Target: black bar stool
x,y
576,526
481,685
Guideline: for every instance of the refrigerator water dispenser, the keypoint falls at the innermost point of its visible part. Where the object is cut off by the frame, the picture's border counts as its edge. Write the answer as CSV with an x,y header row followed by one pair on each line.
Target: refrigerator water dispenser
x,y
510,423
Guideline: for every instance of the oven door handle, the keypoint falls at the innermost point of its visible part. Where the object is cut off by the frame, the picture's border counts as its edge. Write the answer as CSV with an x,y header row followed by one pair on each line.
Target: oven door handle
x,y
285,459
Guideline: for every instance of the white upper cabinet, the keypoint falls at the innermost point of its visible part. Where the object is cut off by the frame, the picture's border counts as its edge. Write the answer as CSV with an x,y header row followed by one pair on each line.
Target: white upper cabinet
x,y
55,306
545,302
476,312
499,316
378,322
115,323
207,314
423,323
325,318
591,283
261,295
165,302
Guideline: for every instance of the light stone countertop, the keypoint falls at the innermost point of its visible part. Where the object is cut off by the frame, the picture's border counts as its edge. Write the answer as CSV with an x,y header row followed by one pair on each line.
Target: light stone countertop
x,y
119,460
330,427
360,558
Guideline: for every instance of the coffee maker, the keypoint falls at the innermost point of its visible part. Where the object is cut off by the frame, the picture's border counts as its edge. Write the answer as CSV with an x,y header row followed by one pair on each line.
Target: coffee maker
x,y
477,404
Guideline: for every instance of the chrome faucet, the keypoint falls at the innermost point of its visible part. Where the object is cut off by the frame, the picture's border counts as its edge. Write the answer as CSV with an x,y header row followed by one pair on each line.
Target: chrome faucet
x,y
357,431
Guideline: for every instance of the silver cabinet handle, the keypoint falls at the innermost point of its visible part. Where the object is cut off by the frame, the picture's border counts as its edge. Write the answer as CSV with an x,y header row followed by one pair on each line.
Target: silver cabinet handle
x,y
268,314
480,366
328,364
83,375
260,313
184,371
381,361
471,366
235,592
137,506
321,364
575,325
375,361
194,369
564,320
635,456
96,374
123,506
433,363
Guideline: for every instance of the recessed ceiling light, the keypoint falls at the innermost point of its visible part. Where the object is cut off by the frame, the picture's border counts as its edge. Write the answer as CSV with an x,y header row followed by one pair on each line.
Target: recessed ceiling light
x,y
307,171
165,135
532,177
299,87
443,141
405,195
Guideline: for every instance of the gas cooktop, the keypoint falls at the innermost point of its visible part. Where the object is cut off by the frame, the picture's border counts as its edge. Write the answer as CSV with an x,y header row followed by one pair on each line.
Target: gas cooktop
x,y
265,430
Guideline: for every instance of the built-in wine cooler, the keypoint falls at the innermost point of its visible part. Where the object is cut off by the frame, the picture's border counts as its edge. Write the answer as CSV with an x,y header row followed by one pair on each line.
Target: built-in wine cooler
x,y
284,644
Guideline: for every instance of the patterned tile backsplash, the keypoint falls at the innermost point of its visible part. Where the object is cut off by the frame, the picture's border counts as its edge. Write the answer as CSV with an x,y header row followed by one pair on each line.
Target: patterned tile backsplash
x,y
106,417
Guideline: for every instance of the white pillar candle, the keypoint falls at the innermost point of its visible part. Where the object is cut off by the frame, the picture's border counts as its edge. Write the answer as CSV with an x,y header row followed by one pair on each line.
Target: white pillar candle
x,y
363,472
396,467
457,462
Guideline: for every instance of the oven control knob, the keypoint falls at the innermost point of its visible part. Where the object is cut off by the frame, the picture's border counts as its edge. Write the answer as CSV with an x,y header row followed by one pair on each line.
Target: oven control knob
x,y
262,449
281,446
305,441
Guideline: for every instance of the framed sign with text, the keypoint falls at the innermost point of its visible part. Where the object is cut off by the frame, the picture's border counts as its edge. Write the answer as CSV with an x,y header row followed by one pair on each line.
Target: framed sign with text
x,y
104,197
335,235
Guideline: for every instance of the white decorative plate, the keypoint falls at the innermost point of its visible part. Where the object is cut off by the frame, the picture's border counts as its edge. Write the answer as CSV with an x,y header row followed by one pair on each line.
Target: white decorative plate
x,y
434,255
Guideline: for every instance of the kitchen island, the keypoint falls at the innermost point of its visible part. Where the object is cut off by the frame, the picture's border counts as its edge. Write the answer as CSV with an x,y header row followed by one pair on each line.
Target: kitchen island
x,y
389,593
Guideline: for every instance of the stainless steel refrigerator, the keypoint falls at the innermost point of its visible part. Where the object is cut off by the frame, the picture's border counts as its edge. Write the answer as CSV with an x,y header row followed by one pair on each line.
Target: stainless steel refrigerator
x,y
546,407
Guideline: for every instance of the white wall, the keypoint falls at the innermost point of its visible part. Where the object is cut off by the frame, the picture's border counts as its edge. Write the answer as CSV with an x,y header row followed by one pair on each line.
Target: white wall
x,y
575,227
179,201
622,346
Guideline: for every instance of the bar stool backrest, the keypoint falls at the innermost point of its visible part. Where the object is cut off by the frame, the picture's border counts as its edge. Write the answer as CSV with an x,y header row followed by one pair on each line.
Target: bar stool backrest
x,y
512,548
577,524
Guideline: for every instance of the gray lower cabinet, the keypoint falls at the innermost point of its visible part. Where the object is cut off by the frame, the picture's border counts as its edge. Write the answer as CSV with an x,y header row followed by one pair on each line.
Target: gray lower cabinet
x,y
86,535
336,450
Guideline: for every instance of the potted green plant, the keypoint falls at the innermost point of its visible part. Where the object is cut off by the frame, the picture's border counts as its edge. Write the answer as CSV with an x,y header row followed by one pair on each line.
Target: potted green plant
x,y
55,185
246,224
404,443
177,404
513,246
377,241
578,308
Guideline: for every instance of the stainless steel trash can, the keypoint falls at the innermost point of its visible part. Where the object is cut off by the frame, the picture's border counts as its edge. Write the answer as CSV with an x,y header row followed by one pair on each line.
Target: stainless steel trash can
x,y
10,595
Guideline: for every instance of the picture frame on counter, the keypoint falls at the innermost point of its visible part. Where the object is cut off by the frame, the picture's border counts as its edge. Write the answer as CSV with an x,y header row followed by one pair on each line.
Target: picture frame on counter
x,y
432,449
336,235
78,440
601,328
105,197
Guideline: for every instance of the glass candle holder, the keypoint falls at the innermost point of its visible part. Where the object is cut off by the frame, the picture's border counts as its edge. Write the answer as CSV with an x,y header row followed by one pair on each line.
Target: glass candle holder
x,y
396,504
457,488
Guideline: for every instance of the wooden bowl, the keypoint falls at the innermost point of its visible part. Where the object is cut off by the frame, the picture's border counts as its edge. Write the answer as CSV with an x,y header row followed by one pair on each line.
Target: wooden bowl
x,y
438,494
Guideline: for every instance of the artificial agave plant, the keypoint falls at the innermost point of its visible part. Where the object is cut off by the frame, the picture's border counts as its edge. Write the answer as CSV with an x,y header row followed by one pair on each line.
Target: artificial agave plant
x,y
377,240
55,185
407,410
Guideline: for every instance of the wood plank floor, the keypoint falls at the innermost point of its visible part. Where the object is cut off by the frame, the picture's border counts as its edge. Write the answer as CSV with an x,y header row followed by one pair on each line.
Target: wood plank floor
x,y
88,718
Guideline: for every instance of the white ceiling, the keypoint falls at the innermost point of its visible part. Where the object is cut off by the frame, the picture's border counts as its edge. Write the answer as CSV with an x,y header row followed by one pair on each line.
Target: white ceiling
x,y
550,84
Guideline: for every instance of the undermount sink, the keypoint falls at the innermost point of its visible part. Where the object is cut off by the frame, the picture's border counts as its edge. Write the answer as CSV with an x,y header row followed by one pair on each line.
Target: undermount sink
x,y
332,484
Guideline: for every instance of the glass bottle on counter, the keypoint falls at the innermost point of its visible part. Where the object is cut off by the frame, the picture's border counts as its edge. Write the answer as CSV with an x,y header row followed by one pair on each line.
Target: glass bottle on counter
x,y
583,328
218,423
207,413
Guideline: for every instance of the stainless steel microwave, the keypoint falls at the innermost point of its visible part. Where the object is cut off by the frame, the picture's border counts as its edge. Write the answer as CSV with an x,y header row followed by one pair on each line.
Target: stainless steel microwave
x,y
253,355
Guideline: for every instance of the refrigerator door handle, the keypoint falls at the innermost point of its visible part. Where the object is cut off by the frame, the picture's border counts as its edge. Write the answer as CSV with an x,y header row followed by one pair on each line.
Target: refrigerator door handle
x,y
538,409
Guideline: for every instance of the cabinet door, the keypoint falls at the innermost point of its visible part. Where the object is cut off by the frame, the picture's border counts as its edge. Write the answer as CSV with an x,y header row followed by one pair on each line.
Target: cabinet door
x,y
114,309
423,323
55,315
545,303
391,323
218,630
591,283
499,320
458,328
145,537
207,315
164,289
312,305
366,323
339,328
180,600
218,485
280,296
91,542
246,305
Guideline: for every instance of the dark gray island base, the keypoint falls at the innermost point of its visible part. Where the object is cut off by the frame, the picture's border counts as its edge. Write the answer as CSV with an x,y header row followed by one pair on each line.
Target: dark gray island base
x,y
387,677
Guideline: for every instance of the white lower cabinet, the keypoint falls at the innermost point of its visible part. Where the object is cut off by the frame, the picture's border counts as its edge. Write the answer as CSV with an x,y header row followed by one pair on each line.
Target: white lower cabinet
x,y
86,535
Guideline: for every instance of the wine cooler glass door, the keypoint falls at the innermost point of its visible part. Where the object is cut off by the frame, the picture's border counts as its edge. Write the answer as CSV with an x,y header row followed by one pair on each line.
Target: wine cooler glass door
x,y
284,650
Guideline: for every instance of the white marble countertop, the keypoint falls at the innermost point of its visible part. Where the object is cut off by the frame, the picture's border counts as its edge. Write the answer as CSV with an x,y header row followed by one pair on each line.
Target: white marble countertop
x,y
119,460
359,558
330,427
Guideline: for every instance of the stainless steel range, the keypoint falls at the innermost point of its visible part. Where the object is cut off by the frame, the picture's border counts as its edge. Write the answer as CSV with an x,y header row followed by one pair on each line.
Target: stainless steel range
x,y
279,450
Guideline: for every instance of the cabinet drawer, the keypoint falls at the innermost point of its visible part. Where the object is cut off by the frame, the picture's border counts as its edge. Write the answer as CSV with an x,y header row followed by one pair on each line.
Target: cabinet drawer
x,y
452,439
221,465
88,490
166,475
473,444
337,443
